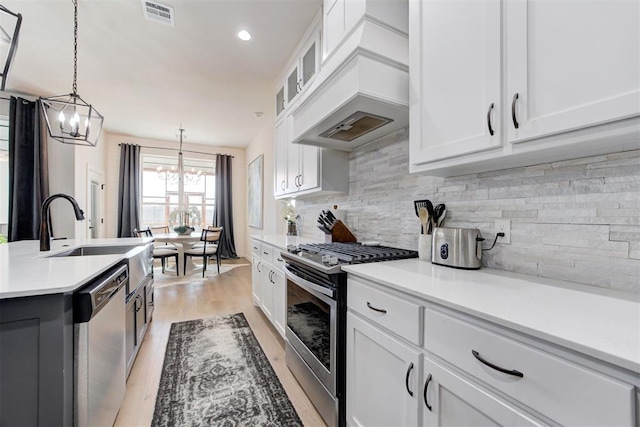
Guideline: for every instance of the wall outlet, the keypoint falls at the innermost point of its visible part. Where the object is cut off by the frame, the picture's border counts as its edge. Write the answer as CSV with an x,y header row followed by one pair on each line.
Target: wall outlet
x,y
354,222
503,226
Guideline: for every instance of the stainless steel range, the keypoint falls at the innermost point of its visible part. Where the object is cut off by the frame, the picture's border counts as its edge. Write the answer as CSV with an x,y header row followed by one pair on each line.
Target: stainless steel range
x,y
316,318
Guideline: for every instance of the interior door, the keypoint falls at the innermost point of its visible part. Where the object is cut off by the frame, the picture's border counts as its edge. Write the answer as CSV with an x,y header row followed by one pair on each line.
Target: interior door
x,y
94,215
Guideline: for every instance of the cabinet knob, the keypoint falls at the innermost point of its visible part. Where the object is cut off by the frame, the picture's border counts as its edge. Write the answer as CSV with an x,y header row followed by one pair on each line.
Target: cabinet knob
x,y
282,185
513,111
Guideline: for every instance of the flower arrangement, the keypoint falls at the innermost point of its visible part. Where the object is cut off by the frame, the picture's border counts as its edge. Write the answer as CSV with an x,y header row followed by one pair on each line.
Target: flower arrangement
x,y
184,217
289,212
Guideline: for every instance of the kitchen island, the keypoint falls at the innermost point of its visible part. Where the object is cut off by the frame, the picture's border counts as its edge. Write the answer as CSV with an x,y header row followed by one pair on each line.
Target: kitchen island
x,y
37,326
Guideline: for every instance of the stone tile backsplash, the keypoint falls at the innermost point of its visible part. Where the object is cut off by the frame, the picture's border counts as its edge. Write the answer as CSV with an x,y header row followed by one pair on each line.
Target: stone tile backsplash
x,y
575,220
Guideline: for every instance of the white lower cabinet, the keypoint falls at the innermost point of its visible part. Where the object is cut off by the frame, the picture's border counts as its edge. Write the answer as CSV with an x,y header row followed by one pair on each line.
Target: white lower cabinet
x,y
448,399
467,372
268,283
382,377
279,301
256,280
266,302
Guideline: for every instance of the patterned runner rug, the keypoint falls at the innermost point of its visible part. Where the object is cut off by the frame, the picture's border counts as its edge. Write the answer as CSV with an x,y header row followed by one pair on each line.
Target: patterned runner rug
x,y
216,374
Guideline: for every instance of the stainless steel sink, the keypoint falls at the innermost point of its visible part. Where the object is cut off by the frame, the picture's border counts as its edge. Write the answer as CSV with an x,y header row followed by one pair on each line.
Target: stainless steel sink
x,y
94,250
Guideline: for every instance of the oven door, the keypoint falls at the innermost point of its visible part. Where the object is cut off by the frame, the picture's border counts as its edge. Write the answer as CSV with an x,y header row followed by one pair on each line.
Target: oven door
x,y
311,326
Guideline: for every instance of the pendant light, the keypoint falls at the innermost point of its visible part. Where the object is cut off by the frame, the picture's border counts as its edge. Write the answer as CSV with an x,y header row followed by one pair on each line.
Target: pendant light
x,y
8,40
69,118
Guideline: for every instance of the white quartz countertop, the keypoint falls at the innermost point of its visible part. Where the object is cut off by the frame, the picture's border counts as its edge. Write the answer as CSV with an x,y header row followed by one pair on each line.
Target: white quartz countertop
x,y
25,271
602,324
282,241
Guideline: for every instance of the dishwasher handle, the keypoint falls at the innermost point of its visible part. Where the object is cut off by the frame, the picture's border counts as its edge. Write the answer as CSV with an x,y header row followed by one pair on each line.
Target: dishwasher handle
x,y
88,301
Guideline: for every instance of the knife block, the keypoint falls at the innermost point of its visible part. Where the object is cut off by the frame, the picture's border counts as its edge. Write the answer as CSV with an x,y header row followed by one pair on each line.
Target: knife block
x,y
340,233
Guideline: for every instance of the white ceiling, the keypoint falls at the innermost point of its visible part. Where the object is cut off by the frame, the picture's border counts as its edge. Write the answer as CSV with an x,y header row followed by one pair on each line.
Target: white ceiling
x,y
146,78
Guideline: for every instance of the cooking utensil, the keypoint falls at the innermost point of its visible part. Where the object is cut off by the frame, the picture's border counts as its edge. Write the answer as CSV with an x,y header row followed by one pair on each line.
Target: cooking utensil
x,y
423,214
329,223
417,204
439,212
331,216
325,222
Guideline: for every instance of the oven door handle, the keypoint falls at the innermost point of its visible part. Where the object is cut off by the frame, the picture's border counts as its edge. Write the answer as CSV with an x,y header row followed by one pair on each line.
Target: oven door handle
x,y
309,286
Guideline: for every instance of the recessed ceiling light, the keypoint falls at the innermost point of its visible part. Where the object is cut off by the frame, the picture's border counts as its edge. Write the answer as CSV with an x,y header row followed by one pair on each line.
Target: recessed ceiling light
x,y
258,113
244,35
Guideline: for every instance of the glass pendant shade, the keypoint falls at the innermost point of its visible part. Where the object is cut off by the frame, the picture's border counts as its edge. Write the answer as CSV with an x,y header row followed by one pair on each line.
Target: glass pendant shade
x,y
71,120
9,29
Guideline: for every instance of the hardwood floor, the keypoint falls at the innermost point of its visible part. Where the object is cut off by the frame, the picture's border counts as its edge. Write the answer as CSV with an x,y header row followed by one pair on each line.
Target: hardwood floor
x,y
228,293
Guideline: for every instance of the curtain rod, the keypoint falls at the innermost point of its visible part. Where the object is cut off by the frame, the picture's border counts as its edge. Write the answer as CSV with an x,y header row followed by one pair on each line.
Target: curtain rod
x,y
186,151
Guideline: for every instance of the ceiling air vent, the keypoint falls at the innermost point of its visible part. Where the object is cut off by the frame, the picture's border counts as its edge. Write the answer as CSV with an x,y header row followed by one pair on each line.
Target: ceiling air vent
x,y
355,126
157,12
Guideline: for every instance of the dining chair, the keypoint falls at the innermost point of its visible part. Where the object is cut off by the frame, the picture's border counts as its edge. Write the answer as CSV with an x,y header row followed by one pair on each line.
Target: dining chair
x,y
161,252
162,229
211,240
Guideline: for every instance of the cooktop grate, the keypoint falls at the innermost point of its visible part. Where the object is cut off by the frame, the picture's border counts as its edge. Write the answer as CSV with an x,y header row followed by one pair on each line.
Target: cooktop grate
x,y
355,253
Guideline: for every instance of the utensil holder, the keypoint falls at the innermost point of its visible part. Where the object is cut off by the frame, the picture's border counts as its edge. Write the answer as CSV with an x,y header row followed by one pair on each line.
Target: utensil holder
x,y
424,247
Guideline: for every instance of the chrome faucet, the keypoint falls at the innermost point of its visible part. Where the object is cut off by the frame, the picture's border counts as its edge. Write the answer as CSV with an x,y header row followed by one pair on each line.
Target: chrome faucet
x,y
45,231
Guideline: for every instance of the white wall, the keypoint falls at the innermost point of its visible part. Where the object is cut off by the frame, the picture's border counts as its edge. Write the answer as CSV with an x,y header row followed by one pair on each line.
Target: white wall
x,y
62,180
239,180
86,158
262,144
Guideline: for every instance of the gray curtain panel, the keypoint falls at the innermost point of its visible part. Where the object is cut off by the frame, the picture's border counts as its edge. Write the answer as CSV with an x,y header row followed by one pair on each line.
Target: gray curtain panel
x,y
223,213
129,191
28,169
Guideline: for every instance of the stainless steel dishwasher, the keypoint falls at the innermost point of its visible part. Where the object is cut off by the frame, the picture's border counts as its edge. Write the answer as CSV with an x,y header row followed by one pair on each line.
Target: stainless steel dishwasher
x,y
99,349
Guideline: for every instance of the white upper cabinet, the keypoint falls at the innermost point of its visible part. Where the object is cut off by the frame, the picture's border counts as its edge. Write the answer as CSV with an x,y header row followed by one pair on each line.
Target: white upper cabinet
x,y
280,158
304,169
570,64
497,84
455,82
304,65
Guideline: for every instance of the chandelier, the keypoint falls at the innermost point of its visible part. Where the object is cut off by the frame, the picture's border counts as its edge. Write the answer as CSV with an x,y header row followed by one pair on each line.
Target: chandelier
x,y
178,174
69,118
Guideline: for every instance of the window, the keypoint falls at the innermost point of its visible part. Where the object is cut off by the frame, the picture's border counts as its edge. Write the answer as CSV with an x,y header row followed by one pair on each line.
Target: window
x,y
4,178
161,193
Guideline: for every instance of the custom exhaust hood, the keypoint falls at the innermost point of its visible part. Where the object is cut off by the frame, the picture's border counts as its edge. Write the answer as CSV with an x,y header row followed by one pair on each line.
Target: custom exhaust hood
x,y
360,94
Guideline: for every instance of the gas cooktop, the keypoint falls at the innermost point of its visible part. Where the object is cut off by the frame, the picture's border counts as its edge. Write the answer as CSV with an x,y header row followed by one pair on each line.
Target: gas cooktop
x,y
328,257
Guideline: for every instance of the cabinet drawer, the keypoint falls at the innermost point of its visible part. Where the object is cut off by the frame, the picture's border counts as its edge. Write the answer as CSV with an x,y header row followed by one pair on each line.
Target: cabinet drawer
x,y
266,253
563,391
397,315
255,248
278,261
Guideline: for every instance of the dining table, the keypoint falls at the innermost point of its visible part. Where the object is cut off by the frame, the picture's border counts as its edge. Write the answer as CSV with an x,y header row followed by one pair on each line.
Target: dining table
x,y
182,242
